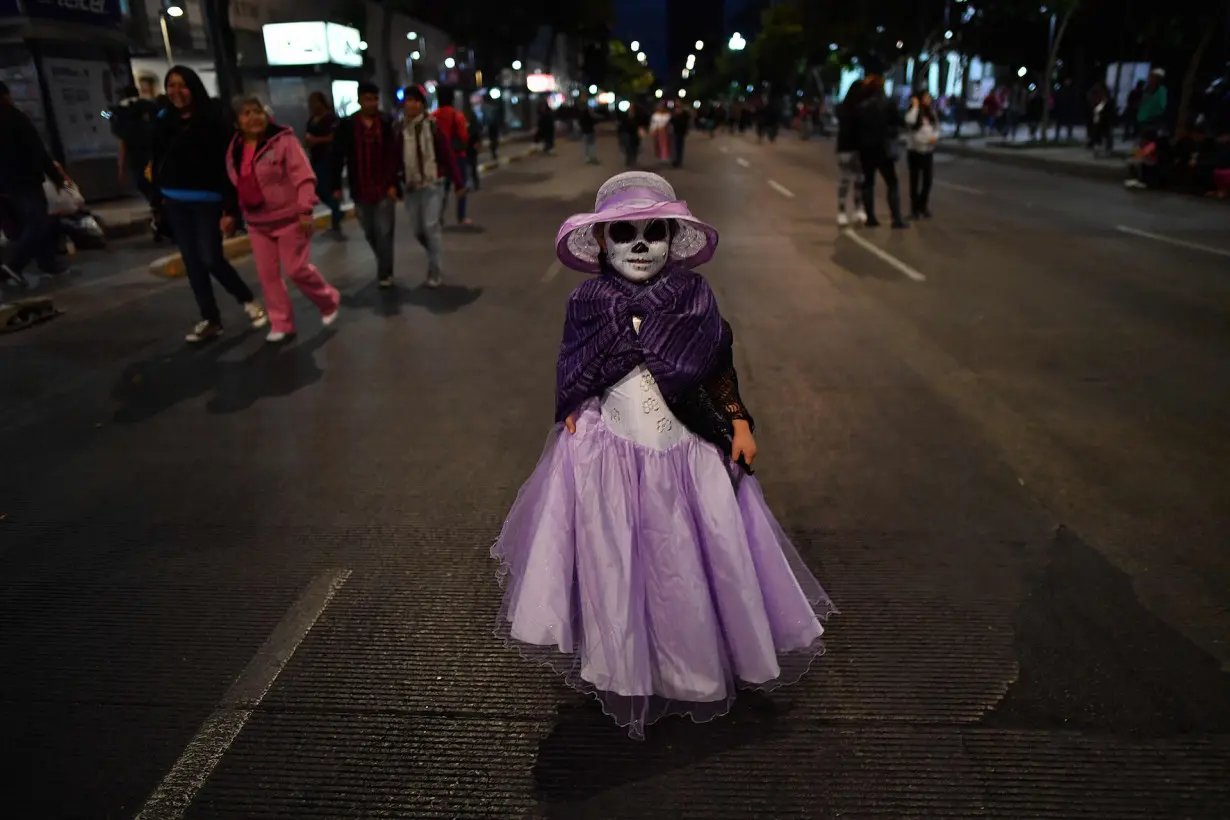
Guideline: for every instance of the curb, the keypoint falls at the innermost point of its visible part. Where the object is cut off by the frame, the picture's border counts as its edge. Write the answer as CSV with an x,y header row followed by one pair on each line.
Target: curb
x,y
237,247
1105,173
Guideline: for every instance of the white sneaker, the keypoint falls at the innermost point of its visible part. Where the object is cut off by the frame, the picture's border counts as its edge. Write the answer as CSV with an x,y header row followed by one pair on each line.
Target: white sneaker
x,y
257,314
433,280
860,216
276,336
842,220
329,318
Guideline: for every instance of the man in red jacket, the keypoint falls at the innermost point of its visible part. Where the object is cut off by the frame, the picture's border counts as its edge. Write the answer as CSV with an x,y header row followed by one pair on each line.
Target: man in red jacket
x,y
429,165
453,125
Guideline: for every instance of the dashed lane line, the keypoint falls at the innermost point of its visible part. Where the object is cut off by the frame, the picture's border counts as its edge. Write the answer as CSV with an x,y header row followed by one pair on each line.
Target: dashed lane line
x,y
781,189
743,162
1178,243
172,797
885,256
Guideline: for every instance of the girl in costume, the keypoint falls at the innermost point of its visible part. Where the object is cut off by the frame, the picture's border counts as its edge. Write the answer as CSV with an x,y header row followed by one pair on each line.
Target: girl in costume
x,y
640,559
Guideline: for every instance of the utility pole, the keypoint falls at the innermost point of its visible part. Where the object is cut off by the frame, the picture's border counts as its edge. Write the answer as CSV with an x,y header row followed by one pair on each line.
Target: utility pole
x,y
222,38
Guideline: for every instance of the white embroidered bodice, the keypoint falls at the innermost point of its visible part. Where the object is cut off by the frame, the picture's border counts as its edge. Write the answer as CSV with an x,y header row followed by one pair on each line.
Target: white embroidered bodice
x,y
633,408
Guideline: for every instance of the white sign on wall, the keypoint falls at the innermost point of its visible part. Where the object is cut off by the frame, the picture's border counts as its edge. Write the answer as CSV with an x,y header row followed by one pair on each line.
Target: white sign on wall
x,y
81,90
313,43
296,43
344,45
345,97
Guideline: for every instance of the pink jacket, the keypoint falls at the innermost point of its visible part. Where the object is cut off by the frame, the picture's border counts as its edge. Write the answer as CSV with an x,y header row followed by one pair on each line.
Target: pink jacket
x,y
283,174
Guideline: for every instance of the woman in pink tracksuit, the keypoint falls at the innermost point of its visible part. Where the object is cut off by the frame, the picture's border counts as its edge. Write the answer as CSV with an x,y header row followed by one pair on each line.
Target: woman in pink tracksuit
x,y
277,191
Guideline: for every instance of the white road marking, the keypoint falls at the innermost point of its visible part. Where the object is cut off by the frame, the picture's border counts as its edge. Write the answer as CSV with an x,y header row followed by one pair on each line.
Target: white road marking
x,y
781,189
177,790
556,268
885,256
743,162
1180,243
965,189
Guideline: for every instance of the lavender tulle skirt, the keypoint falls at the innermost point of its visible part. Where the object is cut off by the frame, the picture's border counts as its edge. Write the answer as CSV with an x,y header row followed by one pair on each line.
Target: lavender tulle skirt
x,y
647,581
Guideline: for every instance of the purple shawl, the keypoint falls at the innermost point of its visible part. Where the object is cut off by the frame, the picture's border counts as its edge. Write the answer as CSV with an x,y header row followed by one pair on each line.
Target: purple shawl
x,y
681,340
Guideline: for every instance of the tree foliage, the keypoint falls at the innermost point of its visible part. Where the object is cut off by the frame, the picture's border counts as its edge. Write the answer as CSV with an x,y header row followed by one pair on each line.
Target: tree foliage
x,y
797,36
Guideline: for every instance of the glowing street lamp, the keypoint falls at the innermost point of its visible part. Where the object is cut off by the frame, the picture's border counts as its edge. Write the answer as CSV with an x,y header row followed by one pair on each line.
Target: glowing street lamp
x,y
641,57
174,11
593,89
412,35
658,93
1022,71
516,65
449,62
636,45
700,45
737,43
683,93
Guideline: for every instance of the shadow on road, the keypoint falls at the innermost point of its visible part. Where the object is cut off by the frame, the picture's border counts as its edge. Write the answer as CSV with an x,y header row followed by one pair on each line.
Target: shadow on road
x,y
444,299
150,387
586,756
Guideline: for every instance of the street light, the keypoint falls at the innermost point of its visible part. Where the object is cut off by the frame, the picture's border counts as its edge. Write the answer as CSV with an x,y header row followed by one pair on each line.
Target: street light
x,y
412,35
641,57
516,65
658,93
593,89
636,45
683,93
686,73
449,62
700,45
174,11
737,43
415,55
691,61
948,34
1022,71
900,44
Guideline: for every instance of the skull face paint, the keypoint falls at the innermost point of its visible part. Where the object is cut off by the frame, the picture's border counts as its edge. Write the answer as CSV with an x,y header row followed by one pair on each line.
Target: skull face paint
x,y
639,249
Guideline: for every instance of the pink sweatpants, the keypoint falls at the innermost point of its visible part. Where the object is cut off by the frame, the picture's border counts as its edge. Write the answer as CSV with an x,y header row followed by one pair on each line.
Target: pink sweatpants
x,y
288,248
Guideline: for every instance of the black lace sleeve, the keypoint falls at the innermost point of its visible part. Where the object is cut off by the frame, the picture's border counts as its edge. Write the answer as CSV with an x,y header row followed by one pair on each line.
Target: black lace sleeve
x,y
723,388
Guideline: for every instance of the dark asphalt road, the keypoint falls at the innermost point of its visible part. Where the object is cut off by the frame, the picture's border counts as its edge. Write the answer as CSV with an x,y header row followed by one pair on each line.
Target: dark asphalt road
x,y
1010,472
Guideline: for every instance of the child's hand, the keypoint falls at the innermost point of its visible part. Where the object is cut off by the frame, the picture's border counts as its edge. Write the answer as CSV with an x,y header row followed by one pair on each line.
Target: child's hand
x,y
571,425
743,443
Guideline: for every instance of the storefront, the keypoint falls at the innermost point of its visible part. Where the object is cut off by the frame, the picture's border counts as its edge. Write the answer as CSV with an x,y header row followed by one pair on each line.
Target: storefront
x,y
65,62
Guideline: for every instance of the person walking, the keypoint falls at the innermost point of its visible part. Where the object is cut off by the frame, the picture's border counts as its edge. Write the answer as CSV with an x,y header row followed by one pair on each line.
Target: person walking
x,y
190,186
849,164
681,122
630,129
473,149
546,128
24,164
276,194
318,137
428,162
365,146
659,130
924,133
877,128
589,133
456,129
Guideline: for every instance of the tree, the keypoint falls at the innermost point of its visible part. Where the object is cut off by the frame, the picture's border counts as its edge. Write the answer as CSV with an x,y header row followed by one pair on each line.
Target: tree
x,y
626,75
1062,12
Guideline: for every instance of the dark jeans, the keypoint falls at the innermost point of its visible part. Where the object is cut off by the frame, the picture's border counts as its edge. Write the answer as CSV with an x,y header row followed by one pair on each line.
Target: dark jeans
x,y
921,167
376,219
680,139
199,238
323,169
36,237
881,162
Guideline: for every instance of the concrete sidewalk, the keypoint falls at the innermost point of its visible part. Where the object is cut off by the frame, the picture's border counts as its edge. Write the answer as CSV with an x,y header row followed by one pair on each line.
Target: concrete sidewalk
x,y
172,265
1070,157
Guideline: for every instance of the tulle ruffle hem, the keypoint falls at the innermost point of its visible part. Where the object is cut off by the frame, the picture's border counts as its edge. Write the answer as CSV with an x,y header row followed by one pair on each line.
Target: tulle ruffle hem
x,y
646,580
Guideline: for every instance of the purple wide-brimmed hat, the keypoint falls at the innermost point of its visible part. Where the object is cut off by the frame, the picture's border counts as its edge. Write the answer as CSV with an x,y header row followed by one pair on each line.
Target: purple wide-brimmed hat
x,y
631,196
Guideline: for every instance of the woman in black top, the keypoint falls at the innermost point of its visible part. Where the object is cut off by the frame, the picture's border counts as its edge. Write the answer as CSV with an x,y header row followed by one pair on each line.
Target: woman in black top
x,y
319,142
191,187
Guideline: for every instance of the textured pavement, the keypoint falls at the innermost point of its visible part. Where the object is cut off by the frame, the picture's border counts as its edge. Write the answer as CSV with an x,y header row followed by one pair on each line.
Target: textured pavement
x,y
1011,476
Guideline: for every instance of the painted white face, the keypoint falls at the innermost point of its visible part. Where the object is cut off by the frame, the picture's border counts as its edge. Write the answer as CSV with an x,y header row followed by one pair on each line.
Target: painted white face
x,y
638,250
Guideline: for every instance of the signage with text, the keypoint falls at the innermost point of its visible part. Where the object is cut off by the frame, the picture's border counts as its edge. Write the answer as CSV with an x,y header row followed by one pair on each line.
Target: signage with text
x,y
95,12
